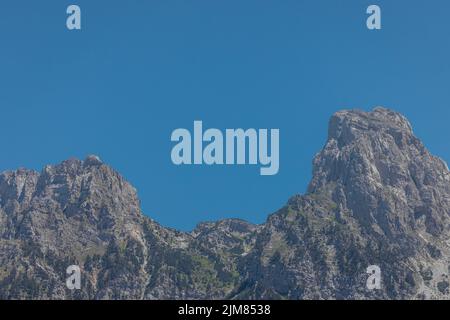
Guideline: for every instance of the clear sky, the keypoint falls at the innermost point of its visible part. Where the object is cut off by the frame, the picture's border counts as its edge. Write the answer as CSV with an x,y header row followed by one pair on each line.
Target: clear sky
x,y
140,69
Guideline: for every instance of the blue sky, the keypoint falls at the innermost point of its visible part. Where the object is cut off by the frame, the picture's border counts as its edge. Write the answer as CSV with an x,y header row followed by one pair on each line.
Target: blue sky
x,y
140,69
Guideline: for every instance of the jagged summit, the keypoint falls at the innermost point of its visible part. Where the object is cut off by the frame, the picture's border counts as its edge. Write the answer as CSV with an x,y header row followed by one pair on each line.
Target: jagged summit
x,y
377,170
348,124
377,196
370,146
93,160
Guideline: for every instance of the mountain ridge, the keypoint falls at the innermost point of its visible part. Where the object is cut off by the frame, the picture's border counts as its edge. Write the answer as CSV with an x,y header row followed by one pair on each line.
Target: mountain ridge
x,y
377,196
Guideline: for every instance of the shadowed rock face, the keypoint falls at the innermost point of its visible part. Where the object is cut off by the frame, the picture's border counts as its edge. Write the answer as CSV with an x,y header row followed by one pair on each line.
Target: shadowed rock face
x,y
377,197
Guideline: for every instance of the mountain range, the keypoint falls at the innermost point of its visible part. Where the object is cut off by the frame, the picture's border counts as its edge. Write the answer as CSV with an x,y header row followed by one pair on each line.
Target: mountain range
x,y
377,197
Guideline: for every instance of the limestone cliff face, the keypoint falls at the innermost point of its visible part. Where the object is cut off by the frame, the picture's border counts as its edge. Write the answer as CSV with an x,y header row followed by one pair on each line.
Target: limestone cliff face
x,y
383,174
377,197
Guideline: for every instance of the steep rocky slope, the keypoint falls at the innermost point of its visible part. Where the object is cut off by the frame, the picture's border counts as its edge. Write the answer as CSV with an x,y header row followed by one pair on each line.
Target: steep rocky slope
x,y
377,197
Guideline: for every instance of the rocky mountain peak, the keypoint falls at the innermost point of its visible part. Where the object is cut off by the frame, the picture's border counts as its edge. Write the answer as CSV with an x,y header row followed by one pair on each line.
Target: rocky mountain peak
x,y
377,197
376,169
348,126
377,146
93,160
80,194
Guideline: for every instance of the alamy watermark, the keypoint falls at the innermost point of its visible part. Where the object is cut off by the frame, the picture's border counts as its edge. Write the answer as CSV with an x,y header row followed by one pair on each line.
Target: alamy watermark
x,y
73,21
373,22
74,280
374,280
234,146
